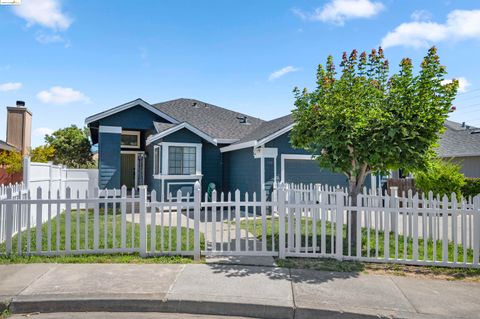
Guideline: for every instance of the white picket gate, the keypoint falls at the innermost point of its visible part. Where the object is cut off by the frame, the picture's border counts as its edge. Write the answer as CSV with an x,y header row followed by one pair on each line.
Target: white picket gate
x,y
300,221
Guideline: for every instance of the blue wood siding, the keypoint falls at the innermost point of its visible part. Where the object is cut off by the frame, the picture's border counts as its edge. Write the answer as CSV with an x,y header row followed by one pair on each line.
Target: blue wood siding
x,y
302,171
182,136
242,171
212,166
136,118
153,184
109,160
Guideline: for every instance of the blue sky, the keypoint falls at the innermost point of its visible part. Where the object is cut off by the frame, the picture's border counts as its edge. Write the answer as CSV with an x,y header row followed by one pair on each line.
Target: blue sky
x,y
70,59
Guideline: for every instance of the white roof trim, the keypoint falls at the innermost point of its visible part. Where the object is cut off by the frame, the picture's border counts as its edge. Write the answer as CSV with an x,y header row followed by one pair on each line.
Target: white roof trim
x,y
235,147
273,136
126,106
226,140
256,143
178,127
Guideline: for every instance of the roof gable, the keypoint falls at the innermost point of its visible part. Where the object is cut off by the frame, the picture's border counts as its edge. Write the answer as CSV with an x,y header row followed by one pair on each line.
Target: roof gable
x,y
264,133
126,106
169,130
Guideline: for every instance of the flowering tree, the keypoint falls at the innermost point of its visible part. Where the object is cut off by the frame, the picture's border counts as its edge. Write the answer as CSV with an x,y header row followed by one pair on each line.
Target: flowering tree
x,y
362,120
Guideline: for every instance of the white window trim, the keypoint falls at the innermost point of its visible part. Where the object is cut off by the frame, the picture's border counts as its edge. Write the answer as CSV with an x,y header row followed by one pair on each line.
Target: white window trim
x,y
198,161
136,133
179,183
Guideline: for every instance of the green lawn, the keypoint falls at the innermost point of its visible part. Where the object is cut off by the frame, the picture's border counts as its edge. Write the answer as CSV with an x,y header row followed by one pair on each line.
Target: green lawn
x,y
308,235
109,238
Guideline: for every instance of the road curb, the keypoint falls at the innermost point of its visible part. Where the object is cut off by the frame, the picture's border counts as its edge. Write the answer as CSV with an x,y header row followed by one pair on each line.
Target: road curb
x,y
48,304
30,305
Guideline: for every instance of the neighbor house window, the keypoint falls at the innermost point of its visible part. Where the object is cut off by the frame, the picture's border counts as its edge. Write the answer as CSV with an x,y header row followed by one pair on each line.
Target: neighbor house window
x,y
130,139
156,160
182,160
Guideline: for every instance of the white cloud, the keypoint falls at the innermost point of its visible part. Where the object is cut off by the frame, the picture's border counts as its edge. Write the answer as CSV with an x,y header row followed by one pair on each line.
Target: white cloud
x,y
42,131
463,83
47,13
283,71
460,25
48,38
10,86
421,15
61,95
338,11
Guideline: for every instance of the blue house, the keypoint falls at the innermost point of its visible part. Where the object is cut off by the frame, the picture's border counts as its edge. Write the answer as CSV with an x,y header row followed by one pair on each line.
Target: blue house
x,y
171,145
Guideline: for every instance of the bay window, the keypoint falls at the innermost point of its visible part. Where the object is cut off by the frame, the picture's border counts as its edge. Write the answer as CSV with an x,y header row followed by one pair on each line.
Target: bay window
x,y
182,160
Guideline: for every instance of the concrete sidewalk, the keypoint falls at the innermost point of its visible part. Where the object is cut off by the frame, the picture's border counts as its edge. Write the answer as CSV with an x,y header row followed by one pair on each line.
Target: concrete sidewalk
x,y
231,290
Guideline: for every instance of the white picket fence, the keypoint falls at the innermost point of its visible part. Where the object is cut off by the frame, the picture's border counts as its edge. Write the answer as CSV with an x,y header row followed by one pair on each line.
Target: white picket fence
x,y
300,221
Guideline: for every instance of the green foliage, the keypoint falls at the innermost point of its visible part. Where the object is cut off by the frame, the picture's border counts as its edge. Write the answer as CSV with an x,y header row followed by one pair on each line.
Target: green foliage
x,y
360,120
11,160
440,177
42,154
471,187
72,147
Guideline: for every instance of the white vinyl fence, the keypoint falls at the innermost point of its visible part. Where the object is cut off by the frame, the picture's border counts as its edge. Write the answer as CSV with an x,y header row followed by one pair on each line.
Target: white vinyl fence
x,y
300,221
53,180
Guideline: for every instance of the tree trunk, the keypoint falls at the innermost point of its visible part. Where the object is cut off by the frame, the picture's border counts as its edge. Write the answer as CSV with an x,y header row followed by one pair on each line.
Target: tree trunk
x,y
353,191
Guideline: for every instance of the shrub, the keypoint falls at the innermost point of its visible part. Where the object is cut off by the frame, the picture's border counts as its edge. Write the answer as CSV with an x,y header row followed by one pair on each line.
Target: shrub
x,y
471,187
440,177
11,160
42,154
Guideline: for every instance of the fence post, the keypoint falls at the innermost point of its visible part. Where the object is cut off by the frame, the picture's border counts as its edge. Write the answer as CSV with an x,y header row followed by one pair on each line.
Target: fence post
x,y
394,203
26,171
143,223
96,210
281,218
196,220
38,223
68,220
476,229
9,222
339,224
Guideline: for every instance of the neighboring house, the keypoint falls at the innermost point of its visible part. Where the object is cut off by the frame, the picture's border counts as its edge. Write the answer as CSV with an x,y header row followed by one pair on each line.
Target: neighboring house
x,y
19,129
461,144
170,145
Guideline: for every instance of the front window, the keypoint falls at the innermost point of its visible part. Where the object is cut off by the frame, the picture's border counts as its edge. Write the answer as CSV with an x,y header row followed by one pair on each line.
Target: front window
x,y
182,160
130,139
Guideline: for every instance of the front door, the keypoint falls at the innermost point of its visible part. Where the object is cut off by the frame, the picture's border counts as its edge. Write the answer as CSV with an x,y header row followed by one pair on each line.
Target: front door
x,y
127,174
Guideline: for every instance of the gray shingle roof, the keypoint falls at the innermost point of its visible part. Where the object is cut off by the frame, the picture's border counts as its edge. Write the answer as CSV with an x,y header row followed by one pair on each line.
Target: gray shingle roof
x,y
6,147
459,141
160,127
457,126
267,129
218,122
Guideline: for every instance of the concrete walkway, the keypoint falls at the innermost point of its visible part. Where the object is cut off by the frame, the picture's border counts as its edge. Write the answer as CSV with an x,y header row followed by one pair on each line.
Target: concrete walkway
x,y
231,290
